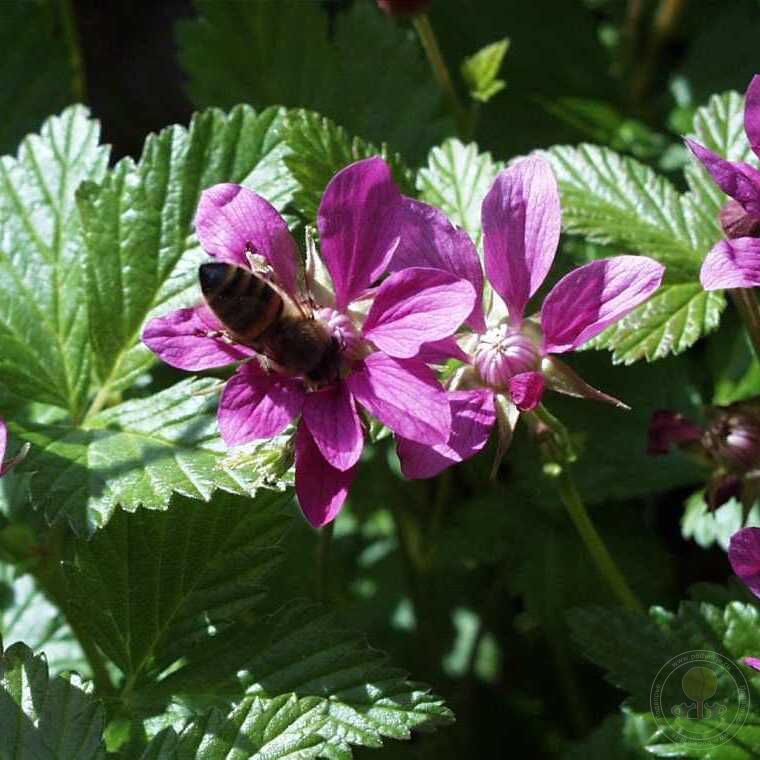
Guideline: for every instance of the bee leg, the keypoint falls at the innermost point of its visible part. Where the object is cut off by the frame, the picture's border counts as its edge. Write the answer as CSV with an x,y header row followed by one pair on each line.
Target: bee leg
x,y
220,335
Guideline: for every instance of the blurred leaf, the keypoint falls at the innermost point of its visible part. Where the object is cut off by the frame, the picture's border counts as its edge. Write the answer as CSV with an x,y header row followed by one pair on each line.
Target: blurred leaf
x,y
710,526
456,180
139,453
611,739
151,584
42,718
671,321
33,84
26,615
279,52
44,352
140,258
319,149
481,69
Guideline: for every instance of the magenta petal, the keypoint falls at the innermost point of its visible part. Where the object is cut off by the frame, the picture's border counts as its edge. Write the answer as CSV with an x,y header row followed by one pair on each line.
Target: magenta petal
x,y
472,418
429,239
404,395
320,487
3,442
739,180
732,264
256,404
752,114
334,424
595,296
526,390
521,224
440,351
416,306
752,662
232,218
668,428
182,339
358,226
744,555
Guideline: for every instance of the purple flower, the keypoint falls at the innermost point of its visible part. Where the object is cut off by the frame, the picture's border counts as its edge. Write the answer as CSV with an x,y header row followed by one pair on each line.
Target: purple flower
x,y
379,330
735,262
744,556
514,356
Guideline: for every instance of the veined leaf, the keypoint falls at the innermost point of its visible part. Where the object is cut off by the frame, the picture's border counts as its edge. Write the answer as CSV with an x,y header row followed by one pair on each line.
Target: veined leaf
x,y
719,126
151,584
456,180
319,148
616,200
668,323
44,351
26,615
42,718
139,453
140,258
280,52
328,687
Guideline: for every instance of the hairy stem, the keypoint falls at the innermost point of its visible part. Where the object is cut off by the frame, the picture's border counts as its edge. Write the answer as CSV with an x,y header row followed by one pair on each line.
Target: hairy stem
x,y
594,543
440,70
746,303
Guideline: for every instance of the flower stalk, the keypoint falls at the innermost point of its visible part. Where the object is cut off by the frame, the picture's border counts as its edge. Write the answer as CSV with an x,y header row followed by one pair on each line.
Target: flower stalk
x,y
746,303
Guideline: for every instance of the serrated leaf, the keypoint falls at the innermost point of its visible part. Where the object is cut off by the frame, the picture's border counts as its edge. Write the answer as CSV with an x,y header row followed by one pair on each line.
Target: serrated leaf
x,y
481,69
614,199
255,53
44,352
139,453
151,584
456,179
329,683
719,126
140,258
44,719
671,321
26,615
33,85
319,148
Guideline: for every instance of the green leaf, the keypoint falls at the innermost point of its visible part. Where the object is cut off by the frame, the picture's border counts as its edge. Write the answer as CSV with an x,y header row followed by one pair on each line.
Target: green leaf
x,y
719,126
140,453
33,85
27,615
616,200
710,526
332,689
671,321
319,149
456,180
481,69
152,583
140,258
44,352
264,52
43,719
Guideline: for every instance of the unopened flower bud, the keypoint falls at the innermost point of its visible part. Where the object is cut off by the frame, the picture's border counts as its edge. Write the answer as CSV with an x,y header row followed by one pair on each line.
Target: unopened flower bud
x,y
736,222
668,428
501,354
404,8
733,437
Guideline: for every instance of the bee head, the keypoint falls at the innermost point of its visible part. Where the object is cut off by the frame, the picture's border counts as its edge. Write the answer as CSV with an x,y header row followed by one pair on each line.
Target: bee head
x,y
212,277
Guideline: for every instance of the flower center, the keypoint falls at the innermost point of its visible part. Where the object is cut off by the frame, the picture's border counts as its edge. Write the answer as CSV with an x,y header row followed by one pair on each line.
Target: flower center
x,y
502,353
342,327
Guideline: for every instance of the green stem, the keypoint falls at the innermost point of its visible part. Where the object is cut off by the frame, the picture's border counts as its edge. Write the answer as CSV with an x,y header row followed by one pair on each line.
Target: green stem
x,y
594,543
440,70
78,79
323,561
746,303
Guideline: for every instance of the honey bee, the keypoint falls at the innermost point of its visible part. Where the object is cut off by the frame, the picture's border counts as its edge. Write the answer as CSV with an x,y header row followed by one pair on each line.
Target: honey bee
x,y
259,313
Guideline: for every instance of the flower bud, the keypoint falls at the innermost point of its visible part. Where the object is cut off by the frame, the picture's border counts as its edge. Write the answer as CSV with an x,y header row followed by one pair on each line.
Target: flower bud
x,y
736,222
404,8
501,354
668,428
733,437
342,328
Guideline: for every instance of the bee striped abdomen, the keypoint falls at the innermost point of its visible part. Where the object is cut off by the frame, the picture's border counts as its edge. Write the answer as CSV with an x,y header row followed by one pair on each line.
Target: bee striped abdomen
x,y
245,303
